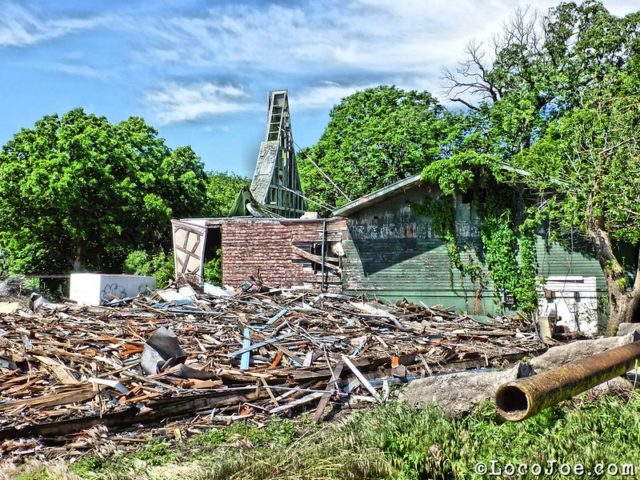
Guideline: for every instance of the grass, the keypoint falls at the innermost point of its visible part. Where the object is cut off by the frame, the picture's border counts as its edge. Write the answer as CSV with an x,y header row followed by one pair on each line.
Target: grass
x,y
394,441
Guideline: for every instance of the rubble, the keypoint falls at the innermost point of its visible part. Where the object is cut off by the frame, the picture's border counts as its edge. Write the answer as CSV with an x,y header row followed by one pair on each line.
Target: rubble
x,y
201,357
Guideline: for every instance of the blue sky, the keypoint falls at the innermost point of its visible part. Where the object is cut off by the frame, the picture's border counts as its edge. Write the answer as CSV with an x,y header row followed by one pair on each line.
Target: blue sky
x,y
200,71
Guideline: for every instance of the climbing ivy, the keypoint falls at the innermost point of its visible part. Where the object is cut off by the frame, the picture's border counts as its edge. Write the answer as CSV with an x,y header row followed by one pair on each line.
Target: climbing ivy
x,y
525,288
509,251
442,213
509,248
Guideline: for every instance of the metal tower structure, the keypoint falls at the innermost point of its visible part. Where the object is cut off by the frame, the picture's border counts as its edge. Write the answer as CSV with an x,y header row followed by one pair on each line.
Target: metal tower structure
x,y
276,183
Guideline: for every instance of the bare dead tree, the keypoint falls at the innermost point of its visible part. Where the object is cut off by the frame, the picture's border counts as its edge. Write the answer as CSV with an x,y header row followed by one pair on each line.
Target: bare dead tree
x,y
475,75
470,78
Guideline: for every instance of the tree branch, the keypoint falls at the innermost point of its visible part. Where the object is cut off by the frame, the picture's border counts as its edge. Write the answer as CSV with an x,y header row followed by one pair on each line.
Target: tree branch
x,y
464,102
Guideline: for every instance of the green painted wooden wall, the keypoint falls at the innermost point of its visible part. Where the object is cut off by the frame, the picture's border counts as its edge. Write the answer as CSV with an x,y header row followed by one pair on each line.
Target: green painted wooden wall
x,y
392,253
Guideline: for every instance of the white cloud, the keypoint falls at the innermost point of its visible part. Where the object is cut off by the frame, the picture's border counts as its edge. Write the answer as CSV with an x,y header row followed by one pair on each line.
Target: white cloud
x,y
79,70
176,102
356,44
324,95
371,35
20,27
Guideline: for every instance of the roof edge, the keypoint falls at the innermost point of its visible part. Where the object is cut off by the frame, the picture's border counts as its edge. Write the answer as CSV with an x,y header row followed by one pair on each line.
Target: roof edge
x,y
377,196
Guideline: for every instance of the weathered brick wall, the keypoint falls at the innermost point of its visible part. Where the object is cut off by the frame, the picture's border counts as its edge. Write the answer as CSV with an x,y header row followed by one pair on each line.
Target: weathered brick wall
x,y
264,248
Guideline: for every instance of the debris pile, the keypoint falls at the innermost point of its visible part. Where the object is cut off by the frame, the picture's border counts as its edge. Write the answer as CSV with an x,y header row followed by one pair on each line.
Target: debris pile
x,y
219,356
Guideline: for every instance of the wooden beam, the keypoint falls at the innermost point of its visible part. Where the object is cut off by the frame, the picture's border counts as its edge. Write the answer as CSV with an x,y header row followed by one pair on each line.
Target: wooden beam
x,y
331,386
315,258
362,378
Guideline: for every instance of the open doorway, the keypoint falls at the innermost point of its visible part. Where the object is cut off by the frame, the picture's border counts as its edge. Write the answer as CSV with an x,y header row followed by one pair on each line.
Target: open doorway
x,y
213,256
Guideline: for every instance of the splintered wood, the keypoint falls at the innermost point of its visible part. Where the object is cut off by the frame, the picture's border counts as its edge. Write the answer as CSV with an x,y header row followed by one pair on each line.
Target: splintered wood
x,y
70,368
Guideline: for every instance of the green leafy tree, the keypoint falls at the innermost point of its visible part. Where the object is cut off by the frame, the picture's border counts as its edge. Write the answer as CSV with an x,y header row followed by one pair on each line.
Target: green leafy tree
x,y
77,192
586,173
222,190
559,100
537,67
160,266
374,138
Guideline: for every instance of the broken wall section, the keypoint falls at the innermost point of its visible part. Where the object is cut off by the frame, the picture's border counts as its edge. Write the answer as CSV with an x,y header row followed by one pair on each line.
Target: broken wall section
x,y
283,253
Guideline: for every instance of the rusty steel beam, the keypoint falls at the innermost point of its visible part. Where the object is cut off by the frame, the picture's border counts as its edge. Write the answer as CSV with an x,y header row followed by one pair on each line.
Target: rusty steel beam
x,y
525,397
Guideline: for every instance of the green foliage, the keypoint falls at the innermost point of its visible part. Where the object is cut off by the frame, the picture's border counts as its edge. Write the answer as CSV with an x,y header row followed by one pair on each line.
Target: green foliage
x,y
159,265
279,432
79,192
600,143
542,65
442,213
456,174
89,466
213,269
374,138
40,474
559,103
524,289
396,441
501,238
156,452
212,437
222,190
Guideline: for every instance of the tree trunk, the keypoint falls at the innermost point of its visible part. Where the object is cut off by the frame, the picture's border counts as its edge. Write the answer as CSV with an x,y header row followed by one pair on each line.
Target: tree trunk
x,y
624,303
78,262
623,308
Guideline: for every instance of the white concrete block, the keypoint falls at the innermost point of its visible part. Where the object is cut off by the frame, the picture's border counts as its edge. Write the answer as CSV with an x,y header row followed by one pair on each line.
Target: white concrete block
x,y
98,288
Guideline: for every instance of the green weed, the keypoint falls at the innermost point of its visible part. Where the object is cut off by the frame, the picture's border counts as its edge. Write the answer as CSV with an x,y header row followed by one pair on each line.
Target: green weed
x,y
395,441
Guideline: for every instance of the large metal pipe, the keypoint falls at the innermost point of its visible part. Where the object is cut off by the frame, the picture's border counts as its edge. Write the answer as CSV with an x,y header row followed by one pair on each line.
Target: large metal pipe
x,y
527,396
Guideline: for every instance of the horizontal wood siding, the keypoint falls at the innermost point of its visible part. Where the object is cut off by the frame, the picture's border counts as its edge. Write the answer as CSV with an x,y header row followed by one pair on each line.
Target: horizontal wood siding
x,y
555,259
391,253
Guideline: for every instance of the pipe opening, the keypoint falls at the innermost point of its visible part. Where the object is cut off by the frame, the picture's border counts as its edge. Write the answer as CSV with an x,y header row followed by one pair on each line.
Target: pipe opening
x,y
512,402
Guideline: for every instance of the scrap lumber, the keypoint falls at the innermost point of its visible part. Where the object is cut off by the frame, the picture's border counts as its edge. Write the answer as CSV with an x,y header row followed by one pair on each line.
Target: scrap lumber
x,y
331,387
361,377
268,353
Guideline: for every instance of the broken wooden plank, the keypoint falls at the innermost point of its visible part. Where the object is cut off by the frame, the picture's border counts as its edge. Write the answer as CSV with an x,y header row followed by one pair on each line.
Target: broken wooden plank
x,y
79,394
264,343
266,386
278,315
316,258
58,370
301,401
331,387
362,378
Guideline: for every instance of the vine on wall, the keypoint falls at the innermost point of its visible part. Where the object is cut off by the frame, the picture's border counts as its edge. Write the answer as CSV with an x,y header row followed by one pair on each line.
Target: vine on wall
x,y
509,252
509,248
442,213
